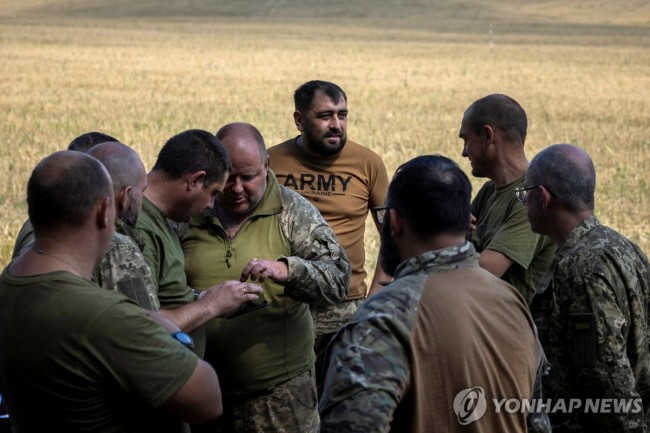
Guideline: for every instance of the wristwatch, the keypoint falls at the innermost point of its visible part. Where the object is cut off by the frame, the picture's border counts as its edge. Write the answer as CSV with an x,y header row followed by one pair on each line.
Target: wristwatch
x,y
184,339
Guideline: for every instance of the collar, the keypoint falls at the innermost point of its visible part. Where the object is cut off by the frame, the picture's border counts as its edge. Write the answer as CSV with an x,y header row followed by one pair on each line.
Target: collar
x,y
444,259
122,228
270,204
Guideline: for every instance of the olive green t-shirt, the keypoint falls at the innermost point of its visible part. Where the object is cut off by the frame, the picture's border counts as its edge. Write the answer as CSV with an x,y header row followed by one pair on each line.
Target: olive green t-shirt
x,y
502,225
76,357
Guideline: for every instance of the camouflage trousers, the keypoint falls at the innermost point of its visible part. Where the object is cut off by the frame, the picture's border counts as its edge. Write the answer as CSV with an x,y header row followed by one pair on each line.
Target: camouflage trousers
x,y
327,321
290,407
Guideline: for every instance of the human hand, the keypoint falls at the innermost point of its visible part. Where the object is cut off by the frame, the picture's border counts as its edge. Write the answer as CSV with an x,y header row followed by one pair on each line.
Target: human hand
x,y
229,296
261,269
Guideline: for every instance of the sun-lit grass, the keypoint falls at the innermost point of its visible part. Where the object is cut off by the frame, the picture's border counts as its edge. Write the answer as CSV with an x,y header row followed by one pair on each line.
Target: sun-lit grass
x,y
143,80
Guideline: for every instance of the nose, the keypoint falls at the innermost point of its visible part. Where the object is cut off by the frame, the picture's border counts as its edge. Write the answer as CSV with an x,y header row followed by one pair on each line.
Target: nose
x,y
464,153
236,186
211,202
335,123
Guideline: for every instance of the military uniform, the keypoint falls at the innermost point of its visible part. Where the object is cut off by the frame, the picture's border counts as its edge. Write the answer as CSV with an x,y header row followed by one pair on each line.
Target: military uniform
x,y
591,312
124,269
443,325
265,358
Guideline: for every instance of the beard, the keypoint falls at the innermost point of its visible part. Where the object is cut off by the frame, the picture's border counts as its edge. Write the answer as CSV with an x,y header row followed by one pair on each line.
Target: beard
x,y
390,257
320,145
130,215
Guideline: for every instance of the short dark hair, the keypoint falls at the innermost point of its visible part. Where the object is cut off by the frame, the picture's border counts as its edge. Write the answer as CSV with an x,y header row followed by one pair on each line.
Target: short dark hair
x,y
501,112
86,141
572,180
304,94
63,189
433,194
192,151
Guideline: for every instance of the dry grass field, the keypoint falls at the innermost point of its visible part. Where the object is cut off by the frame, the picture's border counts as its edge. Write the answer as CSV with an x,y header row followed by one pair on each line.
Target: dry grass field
x,y
143,71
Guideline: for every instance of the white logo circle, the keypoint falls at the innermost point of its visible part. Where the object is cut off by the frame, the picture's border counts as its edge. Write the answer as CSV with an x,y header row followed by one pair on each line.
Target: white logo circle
x,y
470,405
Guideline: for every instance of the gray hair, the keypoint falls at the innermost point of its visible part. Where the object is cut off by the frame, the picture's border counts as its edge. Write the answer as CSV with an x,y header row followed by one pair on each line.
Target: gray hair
x,y
568,172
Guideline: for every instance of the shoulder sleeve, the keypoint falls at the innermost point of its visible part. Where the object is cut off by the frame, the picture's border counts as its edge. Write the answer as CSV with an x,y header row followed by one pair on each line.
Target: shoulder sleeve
x,y
153,255
138,354
319,271
378,182
515,239
124,269
599,343
368,368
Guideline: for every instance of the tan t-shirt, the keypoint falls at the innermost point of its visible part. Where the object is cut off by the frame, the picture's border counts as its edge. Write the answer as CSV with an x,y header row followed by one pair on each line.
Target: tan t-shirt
x,y
343,187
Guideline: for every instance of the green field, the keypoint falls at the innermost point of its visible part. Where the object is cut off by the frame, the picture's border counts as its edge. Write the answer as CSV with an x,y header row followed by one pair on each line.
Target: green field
x,y
143,71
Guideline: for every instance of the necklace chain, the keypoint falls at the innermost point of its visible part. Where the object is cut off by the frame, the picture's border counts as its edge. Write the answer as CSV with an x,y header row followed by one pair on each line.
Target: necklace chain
x,y
45,253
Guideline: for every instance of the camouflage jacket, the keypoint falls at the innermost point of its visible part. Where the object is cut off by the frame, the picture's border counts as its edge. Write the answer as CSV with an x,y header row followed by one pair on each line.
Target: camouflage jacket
x,y
591,313
124,269
371,373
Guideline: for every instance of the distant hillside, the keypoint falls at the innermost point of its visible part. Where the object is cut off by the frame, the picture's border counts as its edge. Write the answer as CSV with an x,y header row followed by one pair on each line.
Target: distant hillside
x,y
401,13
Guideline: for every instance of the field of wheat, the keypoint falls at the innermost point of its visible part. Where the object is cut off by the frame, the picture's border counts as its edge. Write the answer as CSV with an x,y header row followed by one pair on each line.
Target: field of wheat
x,y
143,80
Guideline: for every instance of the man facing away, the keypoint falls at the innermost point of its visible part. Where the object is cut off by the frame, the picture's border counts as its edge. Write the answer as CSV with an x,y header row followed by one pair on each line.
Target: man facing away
x,y
75,357
493,131
343,180
261,230
81,143
592,305
123,267
444,332
191,169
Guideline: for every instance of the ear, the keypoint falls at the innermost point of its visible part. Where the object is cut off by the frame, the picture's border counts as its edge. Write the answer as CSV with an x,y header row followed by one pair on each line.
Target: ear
x,y
489,133
104,212
123,199
395,222
545,197
195,179
297,118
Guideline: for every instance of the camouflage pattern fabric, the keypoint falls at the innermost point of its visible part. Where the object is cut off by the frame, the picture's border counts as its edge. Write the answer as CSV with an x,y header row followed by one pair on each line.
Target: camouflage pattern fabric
x,y
327,321
290,407
375,341
592,317
125,270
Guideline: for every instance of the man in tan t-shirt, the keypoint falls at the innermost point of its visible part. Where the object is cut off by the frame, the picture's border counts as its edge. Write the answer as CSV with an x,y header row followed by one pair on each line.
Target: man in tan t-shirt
x,y
343,180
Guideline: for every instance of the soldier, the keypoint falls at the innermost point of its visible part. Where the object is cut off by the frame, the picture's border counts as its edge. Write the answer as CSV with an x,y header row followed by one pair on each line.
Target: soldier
x,y
493,131
123,268
77,358
191,169
443,328
343,180
82,143
591,307
261,230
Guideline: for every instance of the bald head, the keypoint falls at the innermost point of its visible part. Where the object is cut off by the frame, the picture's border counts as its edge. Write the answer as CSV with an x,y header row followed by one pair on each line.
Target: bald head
x,y
123,163
568,172
64,188
242,136
129,177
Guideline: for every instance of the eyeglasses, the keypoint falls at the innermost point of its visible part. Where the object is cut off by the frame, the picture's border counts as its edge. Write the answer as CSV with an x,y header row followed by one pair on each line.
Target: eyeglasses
x,y
521,192
379,213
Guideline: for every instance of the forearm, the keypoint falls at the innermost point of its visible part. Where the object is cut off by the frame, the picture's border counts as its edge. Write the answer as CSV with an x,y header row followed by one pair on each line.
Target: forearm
x,y
318,282
190,316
